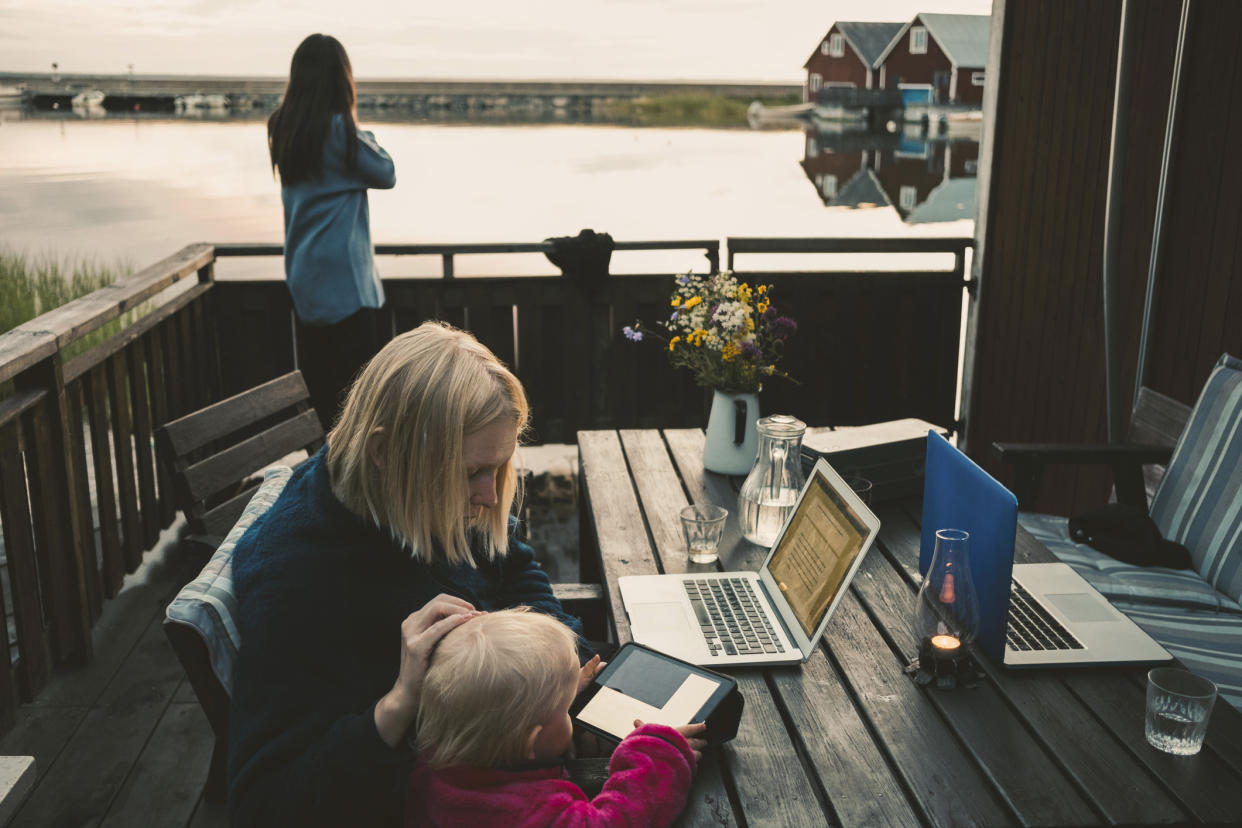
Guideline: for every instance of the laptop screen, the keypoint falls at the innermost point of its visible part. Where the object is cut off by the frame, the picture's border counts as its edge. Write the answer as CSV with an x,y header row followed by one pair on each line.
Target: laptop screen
x,y
813,556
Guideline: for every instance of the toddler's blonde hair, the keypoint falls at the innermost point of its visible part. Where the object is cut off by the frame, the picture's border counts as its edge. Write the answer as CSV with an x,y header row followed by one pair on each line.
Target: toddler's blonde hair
x,y
490,682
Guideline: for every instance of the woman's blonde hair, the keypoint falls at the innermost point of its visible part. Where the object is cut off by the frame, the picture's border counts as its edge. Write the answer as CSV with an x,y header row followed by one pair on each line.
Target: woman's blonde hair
x,y
489,683
428,389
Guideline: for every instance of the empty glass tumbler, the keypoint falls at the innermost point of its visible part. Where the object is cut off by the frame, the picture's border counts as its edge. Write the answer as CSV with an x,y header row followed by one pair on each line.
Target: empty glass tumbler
x,y
1178,706
770,491
703,527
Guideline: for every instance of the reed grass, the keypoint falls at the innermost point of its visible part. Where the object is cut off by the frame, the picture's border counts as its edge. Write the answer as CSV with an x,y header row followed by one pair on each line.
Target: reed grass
x,y
33,284
689,110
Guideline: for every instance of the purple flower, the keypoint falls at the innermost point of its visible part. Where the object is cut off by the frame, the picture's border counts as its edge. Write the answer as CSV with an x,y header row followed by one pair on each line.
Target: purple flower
x,y
683,280
752,351
631,334
673,318
782,327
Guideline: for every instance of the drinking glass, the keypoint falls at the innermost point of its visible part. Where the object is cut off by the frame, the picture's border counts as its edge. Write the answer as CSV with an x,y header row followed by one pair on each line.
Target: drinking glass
x,y
861,487
1178,706
703,527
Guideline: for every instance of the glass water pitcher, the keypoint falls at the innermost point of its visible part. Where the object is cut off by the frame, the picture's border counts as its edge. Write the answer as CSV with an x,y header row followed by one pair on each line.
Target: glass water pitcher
x,y
771,489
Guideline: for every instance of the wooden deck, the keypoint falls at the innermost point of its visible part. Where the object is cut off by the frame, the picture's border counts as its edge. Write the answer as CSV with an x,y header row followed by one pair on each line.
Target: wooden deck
x,y
122,741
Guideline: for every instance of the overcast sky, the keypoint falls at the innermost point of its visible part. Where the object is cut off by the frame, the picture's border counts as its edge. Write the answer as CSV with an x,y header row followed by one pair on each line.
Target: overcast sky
x,y
599,39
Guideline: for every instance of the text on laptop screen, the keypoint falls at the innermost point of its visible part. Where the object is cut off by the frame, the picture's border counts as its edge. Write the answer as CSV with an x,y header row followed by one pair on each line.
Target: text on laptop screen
x,y
814,555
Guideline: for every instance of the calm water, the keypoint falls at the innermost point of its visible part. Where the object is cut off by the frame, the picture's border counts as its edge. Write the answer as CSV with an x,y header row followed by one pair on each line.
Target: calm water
x,y
141,189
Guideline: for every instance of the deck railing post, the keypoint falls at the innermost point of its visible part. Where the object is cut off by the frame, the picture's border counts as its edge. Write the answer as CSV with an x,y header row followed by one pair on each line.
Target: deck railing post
x,y
59,531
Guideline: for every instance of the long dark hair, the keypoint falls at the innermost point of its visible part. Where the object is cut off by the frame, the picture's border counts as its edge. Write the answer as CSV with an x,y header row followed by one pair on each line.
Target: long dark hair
x,y
321,84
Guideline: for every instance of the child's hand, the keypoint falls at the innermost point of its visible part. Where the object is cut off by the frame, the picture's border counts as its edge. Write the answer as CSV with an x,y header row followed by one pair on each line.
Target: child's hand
x,y
589,671
693,734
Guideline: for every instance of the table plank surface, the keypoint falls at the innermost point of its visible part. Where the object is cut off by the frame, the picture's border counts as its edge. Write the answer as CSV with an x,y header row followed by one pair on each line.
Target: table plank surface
x,y
849,739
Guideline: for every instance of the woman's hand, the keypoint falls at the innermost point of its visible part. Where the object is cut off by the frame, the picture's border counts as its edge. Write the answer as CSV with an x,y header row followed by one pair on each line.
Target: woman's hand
x,y
420,632
693,733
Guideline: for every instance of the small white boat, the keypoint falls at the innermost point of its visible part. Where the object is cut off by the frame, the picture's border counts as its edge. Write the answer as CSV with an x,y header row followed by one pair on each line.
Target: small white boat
x,y
757,114
10,97
90,99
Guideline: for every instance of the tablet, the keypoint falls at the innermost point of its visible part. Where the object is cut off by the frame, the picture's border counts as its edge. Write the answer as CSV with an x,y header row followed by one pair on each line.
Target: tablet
x,y
641,683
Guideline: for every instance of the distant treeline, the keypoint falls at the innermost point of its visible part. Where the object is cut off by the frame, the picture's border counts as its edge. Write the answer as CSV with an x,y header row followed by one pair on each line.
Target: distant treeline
x,y
688,109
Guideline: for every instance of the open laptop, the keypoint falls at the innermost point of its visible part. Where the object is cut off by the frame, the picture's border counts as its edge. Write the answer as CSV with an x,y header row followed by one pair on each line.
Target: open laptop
x,y
1031,615
774,616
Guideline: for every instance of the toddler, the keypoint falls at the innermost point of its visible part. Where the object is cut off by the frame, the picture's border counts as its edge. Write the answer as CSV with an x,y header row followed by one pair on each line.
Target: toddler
x,y
494,725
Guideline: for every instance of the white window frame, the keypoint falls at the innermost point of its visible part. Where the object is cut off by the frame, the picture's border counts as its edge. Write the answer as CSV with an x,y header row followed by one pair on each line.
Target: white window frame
x,y
918,40
978,78
971,166
823,47
828,186
816,82
812,146
836,45
908,197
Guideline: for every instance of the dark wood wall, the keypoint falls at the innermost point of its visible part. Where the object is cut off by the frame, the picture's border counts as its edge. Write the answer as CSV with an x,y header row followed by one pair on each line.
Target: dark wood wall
x,y
1039,370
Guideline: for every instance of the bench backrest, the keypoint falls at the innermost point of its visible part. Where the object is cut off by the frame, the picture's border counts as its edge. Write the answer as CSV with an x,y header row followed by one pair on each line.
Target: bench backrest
x,y
214,450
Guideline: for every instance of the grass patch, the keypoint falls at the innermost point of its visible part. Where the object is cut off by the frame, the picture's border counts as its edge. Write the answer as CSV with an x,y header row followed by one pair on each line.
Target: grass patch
x,y
31,285
688,110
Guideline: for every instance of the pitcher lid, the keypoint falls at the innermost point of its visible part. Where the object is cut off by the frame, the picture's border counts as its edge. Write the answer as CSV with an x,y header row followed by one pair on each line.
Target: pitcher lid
x,y
781,425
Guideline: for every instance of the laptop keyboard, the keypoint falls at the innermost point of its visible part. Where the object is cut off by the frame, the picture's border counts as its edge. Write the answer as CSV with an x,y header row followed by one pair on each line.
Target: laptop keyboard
x,y
730,616
1031,627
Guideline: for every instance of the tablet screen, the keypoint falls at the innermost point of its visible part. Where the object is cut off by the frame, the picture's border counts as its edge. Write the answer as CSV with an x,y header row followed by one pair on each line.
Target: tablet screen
x,y
647,687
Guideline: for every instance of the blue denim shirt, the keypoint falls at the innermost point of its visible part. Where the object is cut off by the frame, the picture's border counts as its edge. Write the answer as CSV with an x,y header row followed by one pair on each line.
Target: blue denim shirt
x,y
329,262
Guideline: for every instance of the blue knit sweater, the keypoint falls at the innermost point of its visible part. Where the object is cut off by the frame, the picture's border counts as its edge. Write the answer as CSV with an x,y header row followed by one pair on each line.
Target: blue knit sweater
x,y
329,262
322,594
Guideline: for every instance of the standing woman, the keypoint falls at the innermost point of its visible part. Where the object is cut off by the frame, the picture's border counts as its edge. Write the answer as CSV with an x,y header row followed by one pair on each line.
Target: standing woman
x,y
326,165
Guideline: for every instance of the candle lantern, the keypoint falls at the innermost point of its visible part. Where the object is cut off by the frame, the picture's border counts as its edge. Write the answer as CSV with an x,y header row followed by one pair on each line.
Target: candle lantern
x,y
946,614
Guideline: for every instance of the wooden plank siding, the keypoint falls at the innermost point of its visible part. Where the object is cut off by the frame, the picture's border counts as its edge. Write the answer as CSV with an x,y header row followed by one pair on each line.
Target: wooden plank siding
x,y
1038,373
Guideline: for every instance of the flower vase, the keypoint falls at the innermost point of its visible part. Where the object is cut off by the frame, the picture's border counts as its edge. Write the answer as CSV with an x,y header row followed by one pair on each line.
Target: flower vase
x,y
732,439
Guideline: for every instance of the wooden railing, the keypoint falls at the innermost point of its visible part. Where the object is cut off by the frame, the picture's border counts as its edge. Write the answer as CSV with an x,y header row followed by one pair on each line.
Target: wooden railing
x,y
82,495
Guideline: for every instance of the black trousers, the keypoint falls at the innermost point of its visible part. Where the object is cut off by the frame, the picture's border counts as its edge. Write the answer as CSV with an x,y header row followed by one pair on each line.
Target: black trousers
x,y
330,357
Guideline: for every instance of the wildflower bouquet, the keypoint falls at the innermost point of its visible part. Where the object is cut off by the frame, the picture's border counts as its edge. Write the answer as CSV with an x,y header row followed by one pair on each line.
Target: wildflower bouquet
x,y
727,333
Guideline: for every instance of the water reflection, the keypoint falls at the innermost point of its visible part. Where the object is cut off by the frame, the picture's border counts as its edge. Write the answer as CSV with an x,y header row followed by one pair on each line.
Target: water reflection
x,y
926,179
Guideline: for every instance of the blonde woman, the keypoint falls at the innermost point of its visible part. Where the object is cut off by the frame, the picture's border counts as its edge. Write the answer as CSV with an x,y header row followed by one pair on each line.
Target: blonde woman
x,y
394,533
494,726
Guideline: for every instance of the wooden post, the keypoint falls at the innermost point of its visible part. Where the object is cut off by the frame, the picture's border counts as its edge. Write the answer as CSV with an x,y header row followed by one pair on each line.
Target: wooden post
x,y
62,524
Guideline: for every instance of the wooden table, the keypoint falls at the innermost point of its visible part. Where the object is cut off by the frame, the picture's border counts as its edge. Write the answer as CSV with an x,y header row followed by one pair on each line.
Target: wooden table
x,y
848,738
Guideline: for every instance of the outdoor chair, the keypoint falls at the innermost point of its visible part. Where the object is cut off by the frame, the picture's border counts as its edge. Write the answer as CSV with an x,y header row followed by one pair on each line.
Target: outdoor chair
x,y
1196,501
213,453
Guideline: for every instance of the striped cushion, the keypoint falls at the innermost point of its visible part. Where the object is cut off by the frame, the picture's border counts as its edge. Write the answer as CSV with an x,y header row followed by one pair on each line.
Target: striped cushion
x,y
1199,502
1207,643
207,603
1120,581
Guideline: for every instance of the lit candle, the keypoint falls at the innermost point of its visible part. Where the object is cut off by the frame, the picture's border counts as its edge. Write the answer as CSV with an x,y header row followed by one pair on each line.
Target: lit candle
x,y
945,642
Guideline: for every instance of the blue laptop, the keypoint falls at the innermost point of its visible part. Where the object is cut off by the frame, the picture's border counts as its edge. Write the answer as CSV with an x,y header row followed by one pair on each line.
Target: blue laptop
x,y
1031,615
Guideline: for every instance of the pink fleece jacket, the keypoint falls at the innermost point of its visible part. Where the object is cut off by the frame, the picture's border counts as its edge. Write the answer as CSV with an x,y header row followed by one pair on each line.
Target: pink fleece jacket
x,y
649,778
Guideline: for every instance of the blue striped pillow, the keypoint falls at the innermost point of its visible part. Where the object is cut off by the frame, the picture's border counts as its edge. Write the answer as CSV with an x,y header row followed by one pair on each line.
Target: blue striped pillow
x,y
1120,581
207,603
1199,502
1209,644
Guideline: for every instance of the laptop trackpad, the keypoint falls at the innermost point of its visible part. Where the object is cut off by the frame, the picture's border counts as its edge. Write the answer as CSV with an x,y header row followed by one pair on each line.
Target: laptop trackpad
x,y
1080,606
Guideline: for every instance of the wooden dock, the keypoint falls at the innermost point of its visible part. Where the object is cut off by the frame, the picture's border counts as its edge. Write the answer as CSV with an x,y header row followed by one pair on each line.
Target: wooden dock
x,y
122,741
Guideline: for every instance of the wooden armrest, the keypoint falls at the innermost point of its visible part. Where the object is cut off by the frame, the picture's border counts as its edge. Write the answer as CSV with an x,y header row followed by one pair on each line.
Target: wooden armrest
x,y
1081,453
586,601
1125,459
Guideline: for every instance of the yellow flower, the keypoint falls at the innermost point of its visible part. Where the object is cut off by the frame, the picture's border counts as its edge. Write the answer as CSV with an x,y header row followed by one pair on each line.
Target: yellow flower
x,y
763,289
769,370
676,301
673,342
729,351
743,293
692,301
750,323
762,307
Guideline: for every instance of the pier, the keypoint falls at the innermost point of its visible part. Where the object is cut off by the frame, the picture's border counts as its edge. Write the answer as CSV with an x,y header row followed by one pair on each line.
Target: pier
x,y
122,92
